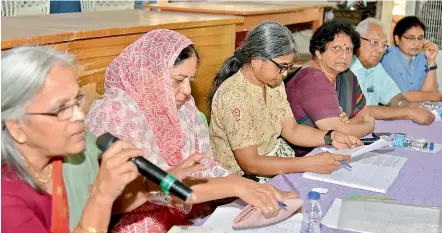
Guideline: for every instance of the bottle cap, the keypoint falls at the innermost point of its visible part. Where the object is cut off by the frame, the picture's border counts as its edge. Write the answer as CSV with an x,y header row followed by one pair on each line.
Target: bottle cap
x,y
320,190
314,196
431,146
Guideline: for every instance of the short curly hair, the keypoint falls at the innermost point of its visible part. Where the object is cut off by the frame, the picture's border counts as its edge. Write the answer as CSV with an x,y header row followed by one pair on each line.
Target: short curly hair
x,y
327,32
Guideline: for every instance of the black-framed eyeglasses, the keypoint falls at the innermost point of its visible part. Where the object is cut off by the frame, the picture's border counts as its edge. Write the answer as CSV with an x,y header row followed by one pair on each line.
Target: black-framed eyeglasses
x,y
284,67
64,113
375,43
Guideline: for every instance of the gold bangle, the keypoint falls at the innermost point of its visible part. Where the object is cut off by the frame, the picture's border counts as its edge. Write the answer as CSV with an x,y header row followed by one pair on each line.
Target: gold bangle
x,y
91,229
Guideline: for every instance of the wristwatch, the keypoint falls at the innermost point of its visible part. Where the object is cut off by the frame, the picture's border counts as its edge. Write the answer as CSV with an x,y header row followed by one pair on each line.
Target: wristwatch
x,y
430,68
328,138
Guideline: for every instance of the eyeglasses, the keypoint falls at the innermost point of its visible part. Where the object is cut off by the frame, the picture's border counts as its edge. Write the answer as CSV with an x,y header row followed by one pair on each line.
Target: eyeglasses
x,y
412,38
375,43
283,68
338,49
66,112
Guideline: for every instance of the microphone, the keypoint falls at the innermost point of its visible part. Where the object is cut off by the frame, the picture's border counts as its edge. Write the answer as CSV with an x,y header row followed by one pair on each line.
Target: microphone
x,y
167,182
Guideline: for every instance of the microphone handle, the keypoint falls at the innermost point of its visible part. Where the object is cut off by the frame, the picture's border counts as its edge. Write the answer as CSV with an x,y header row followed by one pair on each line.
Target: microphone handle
x,y
167,182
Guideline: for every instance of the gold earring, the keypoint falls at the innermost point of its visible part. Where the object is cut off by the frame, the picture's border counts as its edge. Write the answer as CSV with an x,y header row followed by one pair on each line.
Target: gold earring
x,y
20,140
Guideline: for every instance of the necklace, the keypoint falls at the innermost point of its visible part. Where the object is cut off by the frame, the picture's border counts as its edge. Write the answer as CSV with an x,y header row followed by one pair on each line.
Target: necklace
x,y
333,80
42,180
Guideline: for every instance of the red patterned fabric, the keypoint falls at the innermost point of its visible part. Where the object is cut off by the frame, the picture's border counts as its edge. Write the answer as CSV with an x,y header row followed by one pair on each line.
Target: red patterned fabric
x,y
139,106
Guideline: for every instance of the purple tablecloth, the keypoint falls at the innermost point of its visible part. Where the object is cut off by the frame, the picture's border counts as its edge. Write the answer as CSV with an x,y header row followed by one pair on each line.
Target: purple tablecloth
x,y
419,182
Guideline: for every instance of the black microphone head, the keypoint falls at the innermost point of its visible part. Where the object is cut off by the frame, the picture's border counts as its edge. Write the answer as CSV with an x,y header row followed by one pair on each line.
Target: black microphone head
x,y
105,140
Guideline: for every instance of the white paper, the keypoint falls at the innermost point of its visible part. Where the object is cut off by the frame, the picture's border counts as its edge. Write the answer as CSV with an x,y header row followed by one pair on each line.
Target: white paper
x,y
370,171
353,152
331,218
387,217
223,217
375,216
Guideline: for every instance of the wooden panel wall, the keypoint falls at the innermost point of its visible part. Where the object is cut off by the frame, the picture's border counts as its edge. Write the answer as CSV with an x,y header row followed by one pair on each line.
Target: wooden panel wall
x,y
214,45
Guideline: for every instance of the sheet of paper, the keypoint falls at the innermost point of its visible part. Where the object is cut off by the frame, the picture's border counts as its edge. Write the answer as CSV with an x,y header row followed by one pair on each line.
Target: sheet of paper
x,y
396,218
360,150
375,216
371,171
223,217
331,218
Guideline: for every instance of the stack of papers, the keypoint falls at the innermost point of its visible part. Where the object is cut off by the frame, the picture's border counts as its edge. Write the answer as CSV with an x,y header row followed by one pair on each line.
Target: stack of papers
x,y
370,170
223,216
375,216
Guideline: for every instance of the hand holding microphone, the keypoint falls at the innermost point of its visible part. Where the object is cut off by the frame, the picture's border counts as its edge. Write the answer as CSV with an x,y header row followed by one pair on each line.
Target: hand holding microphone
x,y
116,172
167,182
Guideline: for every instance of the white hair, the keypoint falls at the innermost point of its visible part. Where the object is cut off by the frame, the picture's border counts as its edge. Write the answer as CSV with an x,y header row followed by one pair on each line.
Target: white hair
x,y
362,27
23,71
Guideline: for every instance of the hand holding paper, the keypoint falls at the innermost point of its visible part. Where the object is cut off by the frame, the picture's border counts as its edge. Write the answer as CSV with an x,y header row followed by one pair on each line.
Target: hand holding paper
x,y
353,152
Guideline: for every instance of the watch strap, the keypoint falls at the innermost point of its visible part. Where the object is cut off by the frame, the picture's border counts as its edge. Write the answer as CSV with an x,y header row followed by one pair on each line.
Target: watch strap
x,y
430,68
328,138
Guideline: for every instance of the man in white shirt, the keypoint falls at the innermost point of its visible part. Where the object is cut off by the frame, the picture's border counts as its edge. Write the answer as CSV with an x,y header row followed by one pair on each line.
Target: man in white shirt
x,y
376,84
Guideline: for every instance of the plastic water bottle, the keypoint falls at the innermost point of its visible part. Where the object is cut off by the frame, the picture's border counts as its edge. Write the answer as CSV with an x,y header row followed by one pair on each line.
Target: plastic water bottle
x,y
312,214
400,140
432,105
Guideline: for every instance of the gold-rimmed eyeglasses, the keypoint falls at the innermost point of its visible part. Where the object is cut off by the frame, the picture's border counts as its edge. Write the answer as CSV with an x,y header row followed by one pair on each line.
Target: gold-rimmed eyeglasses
x,y
64,113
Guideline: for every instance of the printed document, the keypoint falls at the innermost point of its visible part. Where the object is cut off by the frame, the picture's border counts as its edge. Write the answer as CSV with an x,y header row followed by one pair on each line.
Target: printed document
x,y
370,171
381,216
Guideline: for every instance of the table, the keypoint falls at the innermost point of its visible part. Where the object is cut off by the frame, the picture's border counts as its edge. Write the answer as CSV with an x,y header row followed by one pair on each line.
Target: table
x,y
96,38
419,181
286,13
255,12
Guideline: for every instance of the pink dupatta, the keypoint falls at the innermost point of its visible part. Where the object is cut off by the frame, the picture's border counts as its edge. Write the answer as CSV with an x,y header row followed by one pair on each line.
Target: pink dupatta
x,y
139,106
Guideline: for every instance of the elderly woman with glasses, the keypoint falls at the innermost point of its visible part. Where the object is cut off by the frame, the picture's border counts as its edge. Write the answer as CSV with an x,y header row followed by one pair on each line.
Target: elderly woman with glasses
x,y
411,63
324,92
250,111
51,179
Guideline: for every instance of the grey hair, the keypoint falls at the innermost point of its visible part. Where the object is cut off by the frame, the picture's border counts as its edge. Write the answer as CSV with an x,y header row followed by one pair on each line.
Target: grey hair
x,y
24,72
267,40
362,27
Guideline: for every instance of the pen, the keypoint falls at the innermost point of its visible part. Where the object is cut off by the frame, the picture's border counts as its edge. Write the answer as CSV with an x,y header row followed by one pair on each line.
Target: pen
x,y
341,161
345,164
280,203
370,197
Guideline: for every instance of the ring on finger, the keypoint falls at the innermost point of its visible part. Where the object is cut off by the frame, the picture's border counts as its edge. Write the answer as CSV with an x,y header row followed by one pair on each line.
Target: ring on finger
x,y
270,207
